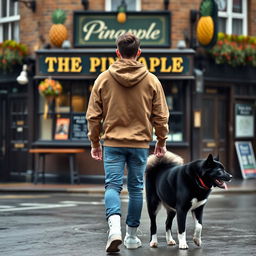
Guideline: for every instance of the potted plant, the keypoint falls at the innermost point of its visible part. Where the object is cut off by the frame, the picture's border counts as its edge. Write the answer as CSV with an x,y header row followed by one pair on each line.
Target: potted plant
x,y
11,55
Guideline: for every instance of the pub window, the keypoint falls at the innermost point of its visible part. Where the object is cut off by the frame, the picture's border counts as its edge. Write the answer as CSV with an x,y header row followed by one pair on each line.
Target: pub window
x,y
9,20
175,98
232,16
65,119
131,5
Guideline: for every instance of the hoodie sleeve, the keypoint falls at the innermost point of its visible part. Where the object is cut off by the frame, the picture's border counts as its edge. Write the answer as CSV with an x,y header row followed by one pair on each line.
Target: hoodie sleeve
x,y
94,116
160,115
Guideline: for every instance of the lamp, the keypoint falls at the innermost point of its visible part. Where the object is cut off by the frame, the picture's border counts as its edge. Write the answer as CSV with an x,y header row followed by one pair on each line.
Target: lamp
x,y
23,77
166,4
85,3
31,4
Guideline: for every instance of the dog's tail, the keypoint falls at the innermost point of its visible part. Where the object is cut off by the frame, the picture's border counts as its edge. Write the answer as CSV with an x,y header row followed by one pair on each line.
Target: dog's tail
x,y
168,160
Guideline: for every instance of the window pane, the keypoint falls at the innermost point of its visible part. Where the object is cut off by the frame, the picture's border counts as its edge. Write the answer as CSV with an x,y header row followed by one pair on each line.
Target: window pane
x,y
11,8
5,31
4,8
222,24
222,5
237,6
237,26
15,31
79,97
130,5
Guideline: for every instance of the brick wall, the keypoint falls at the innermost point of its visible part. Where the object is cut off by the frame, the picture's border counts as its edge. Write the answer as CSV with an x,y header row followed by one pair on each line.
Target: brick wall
x,y
35,26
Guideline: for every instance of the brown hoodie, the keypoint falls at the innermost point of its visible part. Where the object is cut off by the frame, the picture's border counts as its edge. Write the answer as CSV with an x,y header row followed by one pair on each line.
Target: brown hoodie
x,y
130,101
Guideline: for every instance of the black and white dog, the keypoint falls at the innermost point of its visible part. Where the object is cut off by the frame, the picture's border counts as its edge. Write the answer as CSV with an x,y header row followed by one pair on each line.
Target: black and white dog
x,y
180,188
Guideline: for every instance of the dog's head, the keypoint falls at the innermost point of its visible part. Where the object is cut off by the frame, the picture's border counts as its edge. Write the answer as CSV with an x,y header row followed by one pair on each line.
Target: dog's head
x,y
212,173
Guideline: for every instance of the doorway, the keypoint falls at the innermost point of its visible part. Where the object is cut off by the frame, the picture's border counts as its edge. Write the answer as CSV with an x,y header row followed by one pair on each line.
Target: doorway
x,y
13,136
215,120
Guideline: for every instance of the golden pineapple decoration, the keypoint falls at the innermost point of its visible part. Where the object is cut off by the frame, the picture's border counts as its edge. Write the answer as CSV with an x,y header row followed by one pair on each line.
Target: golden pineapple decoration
x,y
207,24
58,32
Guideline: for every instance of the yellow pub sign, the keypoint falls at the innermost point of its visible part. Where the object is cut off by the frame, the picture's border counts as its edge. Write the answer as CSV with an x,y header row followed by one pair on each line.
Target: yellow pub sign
x,y
85,63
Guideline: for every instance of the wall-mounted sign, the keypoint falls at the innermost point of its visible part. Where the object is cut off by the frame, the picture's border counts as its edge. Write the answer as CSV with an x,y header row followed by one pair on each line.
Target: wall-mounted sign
x,y
85,63
246,159
100,29
244,120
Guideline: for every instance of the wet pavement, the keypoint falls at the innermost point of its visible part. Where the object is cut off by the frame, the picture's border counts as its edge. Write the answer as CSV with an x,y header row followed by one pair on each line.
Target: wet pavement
x,y
73,224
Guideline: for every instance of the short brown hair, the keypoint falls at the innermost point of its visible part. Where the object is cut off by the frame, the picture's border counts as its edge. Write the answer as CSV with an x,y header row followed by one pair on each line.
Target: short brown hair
x,y
128,45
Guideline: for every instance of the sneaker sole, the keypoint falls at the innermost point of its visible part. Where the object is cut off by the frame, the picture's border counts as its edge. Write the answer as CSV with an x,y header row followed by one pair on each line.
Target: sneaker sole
x,y
132,246
113,246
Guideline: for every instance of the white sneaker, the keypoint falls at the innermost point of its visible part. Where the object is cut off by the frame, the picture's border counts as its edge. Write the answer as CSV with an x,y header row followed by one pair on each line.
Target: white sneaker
x,y
115,235
131,241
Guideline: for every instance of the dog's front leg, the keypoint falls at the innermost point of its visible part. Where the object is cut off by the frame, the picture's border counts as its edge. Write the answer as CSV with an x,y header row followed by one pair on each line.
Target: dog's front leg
x,y
198,216
181,218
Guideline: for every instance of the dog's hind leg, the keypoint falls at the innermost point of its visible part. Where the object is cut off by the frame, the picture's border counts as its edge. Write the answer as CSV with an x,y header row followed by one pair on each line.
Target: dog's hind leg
x,y
198,216
181,219
153,208
168,227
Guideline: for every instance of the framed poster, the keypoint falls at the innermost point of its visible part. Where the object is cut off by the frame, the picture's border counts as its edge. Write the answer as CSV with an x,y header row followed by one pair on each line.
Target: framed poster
x,y
62,129
244,120
79,127
246,159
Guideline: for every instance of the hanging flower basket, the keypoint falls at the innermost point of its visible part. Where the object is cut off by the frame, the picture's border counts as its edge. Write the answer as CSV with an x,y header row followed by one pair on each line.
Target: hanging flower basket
x,y
11,55
49,89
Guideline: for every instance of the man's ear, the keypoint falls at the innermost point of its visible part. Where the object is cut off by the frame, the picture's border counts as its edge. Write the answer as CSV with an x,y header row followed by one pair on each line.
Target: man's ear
x,y
138,53
118,53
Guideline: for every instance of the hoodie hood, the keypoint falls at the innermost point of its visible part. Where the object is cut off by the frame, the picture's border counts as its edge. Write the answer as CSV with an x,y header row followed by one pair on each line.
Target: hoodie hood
x,y
127,72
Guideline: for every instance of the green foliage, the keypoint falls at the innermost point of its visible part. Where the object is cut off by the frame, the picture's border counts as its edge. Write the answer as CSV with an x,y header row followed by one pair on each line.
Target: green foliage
x,y
11,54
206,8
59,16
235,50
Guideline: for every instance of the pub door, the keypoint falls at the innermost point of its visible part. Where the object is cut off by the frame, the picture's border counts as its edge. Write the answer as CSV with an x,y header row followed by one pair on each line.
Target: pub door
x,y
3,135
215,124
13,136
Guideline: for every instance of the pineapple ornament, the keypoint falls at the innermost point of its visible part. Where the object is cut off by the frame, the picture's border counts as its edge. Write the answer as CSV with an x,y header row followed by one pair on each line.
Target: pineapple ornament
x,y
121,15
58,32
207,24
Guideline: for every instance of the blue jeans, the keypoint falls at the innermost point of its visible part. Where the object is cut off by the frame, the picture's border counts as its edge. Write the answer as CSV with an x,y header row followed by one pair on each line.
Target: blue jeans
x,y
115,159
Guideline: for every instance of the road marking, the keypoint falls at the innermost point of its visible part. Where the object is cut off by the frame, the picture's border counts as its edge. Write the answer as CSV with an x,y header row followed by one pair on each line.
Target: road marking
x,y
37,206
23,196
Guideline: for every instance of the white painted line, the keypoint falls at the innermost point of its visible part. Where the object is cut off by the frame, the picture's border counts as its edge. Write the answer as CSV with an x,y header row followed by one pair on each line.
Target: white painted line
x,y
83,203
37,207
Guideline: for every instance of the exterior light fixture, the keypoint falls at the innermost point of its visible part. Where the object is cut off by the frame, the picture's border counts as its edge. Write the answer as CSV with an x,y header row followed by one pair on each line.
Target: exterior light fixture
x,y
181,44
166,4
23,77
85,3
31,4
121,9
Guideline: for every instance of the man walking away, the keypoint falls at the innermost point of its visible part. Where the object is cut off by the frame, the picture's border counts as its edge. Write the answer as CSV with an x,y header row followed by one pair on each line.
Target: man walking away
x,y
130,101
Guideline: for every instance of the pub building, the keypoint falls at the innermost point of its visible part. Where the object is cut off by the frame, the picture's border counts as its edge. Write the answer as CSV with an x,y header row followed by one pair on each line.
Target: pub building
x,y
207,105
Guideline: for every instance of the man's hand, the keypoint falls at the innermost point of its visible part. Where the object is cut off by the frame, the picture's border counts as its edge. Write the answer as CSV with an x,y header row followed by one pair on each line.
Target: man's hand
x,y
96,153
160,151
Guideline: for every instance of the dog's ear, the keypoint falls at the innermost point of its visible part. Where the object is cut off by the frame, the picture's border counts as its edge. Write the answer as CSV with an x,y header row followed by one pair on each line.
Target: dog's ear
x,y
209,160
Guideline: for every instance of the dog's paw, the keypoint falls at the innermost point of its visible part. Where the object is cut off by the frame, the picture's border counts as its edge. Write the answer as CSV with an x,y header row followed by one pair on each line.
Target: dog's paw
x,y
153,244
197,241
171,242
183,246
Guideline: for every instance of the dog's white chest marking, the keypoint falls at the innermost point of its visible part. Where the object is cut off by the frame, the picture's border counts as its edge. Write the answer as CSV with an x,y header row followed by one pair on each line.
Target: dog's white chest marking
x,y
195,203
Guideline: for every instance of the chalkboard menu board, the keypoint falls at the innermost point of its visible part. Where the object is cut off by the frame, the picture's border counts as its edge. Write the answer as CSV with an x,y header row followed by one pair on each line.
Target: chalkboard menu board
x,y
79,127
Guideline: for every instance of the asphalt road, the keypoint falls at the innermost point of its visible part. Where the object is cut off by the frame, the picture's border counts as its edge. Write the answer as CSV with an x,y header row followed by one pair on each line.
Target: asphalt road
x,y
74,225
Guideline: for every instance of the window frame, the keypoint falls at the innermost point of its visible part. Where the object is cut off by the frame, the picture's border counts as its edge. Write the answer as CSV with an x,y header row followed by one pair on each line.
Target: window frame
x,y
230,16
108,6
8,19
